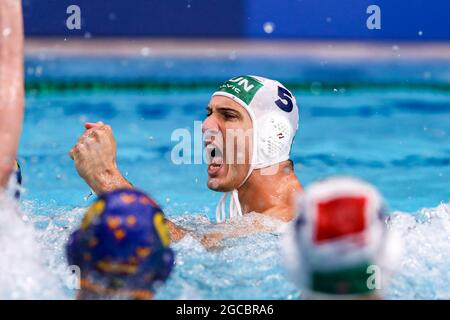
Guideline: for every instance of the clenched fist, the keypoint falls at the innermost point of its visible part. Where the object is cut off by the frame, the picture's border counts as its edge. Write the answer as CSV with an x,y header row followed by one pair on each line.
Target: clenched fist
x,y
95,159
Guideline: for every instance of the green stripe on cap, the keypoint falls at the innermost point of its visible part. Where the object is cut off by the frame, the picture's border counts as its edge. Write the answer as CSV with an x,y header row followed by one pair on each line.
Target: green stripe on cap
x,y
346,282
243,87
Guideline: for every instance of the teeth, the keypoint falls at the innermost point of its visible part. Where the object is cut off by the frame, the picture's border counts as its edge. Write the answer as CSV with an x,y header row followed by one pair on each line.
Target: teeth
x,y
216,162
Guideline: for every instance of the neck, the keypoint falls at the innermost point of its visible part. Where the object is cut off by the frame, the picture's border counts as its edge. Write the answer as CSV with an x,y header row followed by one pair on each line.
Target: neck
x,y
270,191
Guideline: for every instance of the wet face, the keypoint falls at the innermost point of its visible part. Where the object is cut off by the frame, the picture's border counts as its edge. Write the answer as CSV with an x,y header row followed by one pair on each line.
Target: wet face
x,y
228,139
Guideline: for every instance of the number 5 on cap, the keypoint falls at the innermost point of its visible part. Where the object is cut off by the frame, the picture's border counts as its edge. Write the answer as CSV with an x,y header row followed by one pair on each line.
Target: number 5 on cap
x,y
285,101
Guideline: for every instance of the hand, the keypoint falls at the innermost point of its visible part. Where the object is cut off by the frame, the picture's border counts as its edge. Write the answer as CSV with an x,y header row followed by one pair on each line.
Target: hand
x,y
95,159
176,233
212,240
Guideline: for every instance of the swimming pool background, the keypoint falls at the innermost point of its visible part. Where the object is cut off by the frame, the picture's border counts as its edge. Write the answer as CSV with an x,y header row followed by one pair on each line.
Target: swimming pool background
x,y
391,135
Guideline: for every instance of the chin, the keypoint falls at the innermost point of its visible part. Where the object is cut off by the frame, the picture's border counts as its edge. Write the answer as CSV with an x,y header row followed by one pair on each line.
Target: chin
x,y
216,185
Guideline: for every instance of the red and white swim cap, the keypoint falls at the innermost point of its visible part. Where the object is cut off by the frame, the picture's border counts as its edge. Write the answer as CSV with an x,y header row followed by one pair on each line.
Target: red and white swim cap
x,y
339,243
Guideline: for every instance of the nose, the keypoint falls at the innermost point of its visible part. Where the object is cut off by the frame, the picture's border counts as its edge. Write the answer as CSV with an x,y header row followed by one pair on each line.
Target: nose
x,y
210,124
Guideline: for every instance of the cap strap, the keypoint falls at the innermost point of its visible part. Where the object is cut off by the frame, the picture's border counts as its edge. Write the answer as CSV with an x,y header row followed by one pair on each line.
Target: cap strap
x,y
234,209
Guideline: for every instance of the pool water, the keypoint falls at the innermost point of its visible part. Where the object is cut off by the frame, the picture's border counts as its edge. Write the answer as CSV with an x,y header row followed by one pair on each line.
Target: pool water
x,y
395,137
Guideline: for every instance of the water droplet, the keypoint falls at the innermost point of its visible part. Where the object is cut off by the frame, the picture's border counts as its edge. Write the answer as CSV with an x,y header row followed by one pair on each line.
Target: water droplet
x,y
30,71
169,64
316,87
268,27
145,51
38,71
232,55
91,193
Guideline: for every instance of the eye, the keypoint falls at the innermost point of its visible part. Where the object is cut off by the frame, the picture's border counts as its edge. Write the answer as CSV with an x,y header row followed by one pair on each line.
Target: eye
x,y
208,112
230,116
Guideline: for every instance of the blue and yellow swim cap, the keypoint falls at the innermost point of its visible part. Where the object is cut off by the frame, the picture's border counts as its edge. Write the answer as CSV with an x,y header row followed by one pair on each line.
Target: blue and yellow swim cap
x,y
122,246
15,182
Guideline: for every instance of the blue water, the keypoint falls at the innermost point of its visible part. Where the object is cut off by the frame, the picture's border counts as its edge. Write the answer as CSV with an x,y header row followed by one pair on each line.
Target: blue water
x,y
396,138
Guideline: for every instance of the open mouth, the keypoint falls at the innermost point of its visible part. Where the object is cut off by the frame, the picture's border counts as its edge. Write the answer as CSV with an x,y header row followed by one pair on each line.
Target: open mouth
x,y
214,158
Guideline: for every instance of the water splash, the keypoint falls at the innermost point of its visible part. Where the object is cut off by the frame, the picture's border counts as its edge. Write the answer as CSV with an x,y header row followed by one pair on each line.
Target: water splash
x,y
425,269
23,272
249,267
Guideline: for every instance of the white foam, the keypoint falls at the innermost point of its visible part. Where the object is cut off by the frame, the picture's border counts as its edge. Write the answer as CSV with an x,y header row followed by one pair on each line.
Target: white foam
x,y
23,273
33,264
424,272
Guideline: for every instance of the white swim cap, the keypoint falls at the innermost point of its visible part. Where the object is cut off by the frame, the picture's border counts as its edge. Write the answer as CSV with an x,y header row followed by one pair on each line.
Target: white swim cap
x,y
274,114
339,244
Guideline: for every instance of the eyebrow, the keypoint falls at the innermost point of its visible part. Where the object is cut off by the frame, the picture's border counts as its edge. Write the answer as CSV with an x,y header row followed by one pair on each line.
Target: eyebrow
x,y
224,109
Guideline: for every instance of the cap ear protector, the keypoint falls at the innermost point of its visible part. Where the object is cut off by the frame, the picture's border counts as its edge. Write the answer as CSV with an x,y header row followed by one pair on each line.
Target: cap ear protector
x,y
274,142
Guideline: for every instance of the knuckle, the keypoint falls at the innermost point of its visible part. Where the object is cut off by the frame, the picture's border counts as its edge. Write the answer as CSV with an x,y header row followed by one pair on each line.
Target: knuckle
x,y
80,147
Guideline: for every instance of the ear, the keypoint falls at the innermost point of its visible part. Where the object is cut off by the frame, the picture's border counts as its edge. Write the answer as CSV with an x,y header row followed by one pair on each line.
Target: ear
x,y
274,138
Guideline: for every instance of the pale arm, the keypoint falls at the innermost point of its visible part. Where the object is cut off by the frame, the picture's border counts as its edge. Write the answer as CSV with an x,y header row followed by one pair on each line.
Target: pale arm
x,y
94,156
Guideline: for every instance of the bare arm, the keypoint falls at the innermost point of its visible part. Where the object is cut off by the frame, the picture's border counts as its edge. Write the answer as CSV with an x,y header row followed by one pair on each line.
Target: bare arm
x,y
11,84
95,160
94,156
212,240
176,232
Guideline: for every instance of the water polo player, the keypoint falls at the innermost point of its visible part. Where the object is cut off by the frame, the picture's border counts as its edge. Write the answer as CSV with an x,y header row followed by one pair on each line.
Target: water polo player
x,y
263,181
258,176
339,246
11,85
121,248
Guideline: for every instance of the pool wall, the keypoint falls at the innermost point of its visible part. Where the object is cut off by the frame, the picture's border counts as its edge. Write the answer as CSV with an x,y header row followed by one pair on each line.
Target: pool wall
x,y
412,20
